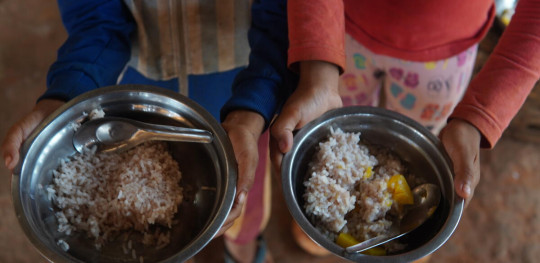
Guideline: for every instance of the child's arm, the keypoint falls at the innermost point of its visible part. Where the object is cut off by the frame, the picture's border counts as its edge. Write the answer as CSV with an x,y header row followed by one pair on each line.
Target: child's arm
x,y
258,92
94,54
96,50
317,92
461,140
316,51
494,96
316,32
266,82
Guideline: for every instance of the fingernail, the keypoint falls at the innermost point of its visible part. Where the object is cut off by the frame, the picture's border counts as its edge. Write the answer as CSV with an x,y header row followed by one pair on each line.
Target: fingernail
x,y
466,189
282,145
8,159
241,197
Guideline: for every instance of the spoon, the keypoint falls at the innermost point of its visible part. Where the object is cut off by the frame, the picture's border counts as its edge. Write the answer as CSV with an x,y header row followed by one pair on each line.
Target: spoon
x,y
426,201
116,134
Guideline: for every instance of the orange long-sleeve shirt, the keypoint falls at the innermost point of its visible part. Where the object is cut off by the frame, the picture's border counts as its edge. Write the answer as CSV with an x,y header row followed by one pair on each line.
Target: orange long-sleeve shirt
x,y
424,30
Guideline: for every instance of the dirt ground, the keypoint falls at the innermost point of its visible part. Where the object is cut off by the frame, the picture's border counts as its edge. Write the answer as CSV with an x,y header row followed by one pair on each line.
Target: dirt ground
x,y
502,223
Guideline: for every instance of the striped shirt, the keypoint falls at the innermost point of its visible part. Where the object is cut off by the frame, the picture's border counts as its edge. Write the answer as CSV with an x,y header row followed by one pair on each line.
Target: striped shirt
x,y
177,38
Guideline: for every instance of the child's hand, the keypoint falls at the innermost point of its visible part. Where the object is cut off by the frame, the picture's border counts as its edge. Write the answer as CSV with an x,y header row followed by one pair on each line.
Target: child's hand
x,y
244,129
462,142
317,92
22,129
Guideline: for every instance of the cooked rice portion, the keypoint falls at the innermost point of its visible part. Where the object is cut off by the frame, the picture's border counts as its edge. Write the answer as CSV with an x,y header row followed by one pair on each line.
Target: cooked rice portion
x,y
347,187
368,219
339,164
103,193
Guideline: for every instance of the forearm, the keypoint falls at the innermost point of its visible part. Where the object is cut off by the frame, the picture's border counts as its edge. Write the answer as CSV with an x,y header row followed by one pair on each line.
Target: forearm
x,y
499,90
97,48
250,120
266,82
317,75
316,32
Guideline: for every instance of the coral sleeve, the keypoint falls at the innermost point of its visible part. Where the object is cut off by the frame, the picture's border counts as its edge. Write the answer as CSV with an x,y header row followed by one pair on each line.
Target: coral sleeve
x,y
499,90
316,32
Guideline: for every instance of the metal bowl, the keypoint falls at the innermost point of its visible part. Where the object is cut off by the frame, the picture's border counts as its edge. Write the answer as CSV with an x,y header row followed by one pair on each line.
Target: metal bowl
x,y
421,151
208,175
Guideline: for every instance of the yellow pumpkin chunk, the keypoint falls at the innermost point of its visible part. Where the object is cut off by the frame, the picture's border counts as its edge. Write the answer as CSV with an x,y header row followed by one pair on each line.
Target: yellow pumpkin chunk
x,y
368,172
345,240
375,251
401,192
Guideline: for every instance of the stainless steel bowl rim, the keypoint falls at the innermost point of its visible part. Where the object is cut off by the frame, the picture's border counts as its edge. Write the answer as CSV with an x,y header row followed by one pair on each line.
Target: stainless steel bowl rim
x,y
230,166
298,214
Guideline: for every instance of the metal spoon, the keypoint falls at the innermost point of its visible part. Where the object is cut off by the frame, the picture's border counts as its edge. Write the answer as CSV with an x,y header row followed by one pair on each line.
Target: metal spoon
x,y
115,134
426,201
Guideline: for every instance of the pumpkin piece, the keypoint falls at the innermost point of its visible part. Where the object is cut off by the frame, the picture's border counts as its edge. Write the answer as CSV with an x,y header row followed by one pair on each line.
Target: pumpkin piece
x,y
346,240
368,172
401,192
375,251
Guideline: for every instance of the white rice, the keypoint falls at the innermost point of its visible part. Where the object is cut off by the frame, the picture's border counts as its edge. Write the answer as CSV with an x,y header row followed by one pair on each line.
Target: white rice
x,y
342,194
63,244
102,194
96,113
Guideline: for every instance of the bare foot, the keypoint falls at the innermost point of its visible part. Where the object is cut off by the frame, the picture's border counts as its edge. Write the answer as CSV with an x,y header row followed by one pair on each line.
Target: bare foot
x,y
246,253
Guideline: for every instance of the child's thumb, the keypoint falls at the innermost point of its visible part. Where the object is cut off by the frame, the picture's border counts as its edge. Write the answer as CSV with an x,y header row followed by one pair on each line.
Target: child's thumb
x,y
282,131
